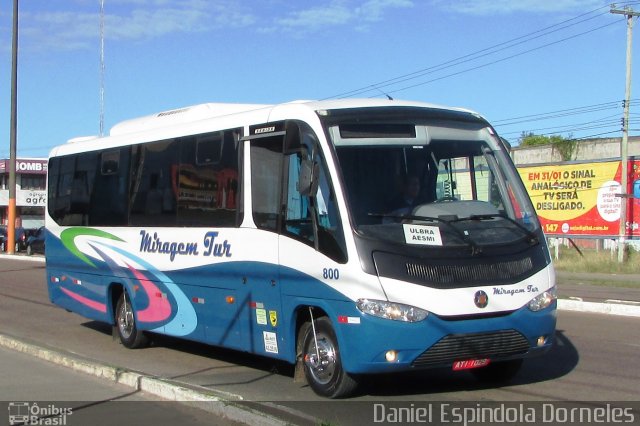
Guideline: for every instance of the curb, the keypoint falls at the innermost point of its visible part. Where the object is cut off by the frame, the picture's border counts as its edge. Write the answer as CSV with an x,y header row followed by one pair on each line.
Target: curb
x,y
227,406
608,307
36,258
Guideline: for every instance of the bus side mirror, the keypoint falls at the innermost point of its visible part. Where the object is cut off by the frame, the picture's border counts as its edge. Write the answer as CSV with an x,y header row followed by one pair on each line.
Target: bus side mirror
x,y
307,185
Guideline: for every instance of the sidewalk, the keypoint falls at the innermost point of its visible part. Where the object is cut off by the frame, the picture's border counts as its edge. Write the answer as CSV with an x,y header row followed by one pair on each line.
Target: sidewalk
x,y
35,391
38,375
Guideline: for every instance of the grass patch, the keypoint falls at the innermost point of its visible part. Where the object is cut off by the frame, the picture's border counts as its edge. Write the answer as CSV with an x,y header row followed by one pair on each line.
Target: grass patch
x,y
602,261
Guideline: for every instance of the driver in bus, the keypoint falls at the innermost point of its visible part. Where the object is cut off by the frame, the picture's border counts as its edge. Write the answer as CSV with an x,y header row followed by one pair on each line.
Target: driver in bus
x,y
403,203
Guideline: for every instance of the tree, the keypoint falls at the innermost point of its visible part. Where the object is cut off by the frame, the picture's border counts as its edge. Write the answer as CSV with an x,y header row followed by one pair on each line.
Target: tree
x,y
565,147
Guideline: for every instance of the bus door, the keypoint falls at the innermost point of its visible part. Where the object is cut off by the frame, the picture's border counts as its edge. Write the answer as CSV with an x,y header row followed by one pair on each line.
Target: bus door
x,y
293,200
311,243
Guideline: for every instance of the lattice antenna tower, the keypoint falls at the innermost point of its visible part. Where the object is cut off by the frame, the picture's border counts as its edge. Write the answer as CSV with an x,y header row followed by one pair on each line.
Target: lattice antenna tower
x,y
101,68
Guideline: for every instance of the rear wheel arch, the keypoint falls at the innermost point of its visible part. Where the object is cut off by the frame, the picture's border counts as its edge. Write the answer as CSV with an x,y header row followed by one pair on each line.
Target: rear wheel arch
x,y
126,322
113,292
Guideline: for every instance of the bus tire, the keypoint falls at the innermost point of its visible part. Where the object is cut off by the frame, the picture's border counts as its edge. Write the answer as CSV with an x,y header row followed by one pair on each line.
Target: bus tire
x,y
324,375
501,371
128,332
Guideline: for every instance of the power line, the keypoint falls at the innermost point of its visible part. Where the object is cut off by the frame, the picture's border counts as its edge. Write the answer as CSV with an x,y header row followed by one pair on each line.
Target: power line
x,y
597,123
594,135
476,55
587,127
500,60
602,122
561,112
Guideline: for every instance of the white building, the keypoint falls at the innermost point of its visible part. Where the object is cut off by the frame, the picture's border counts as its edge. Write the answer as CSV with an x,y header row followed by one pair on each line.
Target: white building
x,y
31,195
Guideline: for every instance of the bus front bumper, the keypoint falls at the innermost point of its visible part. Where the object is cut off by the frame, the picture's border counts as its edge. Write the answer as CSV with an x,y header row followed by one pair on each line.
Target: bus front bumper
x,y
376,345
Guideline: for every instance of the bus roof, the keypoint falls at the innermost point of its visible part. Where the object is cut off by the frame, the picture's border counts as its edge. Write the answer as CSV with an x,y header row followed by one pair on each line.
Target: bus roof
x,y
181,116
172,123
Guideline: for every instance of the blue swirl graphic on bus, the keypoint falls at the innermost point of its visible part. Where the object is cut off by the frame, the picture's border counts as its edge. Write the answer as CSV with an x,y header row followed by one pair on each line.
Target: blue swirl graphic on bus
x,y
184,320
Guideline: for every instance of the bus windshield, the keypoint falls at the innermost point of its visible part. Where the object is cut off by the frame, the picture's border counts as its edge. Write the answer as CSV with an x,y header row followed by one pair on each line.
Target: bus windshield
x,y
425,183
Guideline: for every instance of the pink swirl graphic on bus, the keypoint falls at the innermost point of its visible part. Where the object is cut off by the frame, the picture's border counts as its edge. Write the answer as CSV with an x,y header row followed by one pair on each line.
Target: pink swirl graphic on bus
x,y
100,307
159,308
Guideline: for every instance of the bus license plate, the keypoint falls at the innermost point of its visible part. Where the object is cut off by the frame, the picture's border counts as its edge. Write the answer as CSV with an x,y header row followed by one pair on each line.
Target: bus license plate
x,y
470,363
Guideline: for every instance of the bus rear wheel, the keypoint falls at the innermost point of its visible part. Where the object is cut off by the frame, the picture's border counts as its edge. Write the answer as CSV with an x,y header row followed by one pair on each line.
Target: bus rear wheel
x,y
322,364
128,332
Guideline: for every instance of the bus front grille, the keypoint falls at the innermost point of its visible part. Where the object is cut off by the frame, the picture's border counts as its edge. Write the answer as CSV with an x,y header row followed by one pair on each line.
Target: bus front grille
x,y
448,270
456,275
459,347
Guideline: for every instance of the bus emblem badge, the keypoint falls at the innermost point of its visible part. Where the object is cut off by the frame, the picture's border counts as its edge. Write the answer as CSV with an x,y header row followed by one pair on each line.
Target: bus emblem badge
x,y
481,299
273,317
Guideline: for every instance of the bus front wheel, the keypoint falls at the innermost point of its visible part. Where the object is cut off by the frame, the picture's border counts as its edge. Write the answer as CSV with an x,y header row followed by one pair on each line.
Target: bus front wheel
x,y
128,332
321,359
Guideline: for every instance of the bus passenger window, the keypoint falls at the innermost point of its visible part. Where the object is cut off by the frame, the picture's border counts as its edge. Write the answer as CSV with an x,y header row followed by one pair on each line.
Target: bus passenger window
x,y
152,196
206,180
109,205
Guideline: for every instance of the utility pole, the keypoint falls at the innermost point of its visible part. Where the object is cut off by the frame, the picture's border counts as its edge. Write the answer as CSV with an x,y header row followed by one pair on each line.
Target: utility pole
x,y
629,13
11,225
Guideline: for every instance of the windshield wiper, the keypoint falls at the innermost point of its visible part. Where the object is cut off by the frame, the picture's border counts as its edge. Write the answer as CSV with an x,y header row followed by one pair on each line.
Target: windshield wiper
x,y
465,237
532,238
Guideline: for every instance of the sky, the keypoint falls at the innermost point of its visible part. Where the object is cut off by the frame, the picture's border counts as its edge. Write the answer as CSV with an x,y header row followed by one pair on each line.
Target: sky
x,y
540,66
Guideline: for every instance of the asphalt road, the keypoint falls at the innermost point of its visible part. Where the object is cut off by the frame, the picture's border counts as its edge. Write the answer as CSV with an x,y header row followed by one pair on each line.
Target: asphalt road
x,y
594,360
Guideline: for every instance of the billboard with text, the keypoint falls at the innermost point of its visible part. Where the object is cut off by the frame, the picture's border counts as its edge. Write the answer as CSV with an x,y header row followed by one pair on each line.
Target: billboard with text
x,y
583,199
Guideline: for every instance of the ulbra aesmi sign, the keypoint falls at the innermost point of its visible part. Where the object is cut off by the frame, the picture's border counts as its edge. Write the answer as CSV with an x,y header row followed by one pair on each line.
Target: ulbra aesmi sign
x,y
583,199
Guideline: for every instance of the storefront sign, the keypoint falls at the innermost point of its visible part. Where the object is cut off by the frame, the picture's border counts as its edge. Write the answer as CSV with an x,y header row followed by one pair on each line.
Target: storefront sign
x,y
26,166
33,198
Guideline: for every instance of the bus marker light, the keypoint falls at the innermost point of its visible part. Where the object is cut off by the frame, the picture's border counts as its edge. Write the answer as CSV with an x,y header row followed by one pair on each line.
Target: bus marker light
x,y
199,300
77,282
231,300
343,319
391,356
542,340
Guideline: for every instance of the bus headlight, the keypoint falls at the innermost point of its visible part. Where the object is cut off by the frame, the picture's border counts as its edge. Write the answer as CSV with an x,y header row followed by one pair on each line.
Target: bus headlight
x,y
390,310
543,300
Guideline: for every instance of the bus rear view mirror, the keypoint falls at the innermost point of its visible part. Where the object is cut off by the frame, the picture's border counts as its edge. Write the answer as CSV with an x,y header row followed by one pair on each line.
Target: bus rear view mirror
x,y
307,185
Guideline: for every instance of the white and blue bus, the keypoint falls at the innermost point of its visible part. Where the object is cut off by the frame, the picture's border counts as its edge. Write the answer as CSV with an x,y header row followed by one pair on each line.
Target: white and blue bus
x,y
347,237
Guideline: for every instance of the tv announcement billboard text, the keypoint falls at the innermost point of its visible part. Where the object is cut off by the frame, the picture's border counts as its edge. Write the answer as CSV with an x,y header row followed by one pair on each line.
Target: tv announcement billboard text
x,y
583,199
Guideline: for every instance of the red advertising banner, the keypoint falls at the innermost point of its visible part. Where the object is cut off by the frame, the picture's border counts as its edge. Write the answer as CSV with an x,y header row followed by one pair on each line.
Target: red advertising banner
x,y
583,199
